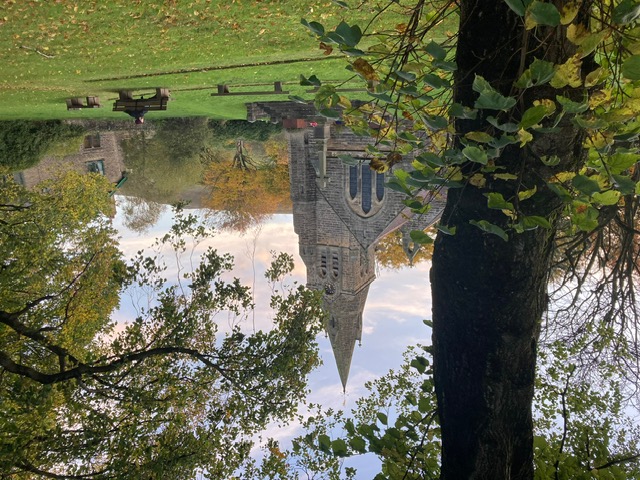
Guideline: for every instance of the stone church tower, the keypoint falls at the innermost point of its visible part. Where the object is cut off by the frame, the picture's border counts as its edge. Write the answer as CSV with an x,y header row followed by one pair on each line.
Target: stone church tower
x,y
339,213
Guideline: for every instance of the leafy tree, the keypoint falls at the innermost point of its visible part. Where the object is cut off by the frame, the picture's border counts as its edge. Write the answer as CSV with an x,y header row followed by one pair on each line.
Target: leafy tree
x,y
23,143
157,396
242,197
161,167
236,129
527,114
397,250
581,429
140,215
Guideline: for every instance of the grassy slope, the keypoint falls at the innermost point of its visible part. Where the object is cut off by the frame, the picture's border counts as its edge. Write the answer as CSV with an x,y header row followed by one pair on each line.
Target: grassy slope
x,y
54,49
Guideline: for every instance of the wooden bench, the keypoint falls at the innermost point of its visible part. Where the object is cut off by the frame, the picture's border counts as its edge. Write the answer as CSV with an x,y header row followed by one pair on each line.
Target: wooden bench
x,y
141,104
223,90
76,103
126,101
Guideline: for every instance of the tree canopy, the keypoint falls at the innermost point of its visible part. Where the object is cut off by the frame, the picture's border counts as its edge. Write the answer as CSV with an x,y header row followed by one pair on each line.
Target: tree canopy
x,y
244,192
162,394
24,143
525,112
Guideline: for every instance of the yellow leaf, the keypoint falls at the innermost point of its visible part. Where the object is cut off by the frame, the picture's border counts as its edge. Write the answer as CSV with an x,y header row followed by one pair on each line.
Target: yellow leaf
x,y
456,175
599,97
524,137
598,140
529,21
576,34
563,177
478,180
524,194
596,77
505,176
363,67
480,137
549,104
568,73
344,102
569,12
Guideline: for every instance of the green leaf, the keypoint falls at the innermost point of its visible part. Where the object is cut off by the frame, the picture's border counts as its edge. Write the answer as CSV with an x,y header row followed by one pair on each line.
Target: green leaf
x,y
324,442
587,220
297,99
621,161
544,13
435,122
610,197
447,230
475,154
420,363
532,116
551,161
418,236
430,159
496,201
384,97
339,447
354,52
585,185
327,112
560,191
395,184
626,12
631,68
505,127
315,27
503,141
535,221
407,76
312,81
518,6
480,137
358,444
340,3
539,73
570,106
434,81
382,418
490,228
458,111
489,98
350,35
624,184
424,405
436,51
444,65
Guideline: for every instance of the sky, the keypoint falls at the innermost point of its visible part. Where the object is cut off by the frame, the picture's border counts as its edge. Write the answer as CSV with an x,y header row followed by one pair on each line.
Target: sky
x,y
397,304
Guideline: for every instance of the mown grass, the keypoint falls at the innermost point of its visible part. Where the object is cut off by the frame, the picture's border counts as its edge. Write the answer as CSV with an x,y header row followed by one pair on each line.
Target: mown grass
x,y
54,49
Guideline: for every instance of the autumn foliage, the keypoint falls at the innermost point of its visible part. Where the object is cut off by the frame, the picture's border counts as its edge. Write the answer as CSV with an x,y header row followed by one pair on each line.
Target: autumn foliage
x,y
243,198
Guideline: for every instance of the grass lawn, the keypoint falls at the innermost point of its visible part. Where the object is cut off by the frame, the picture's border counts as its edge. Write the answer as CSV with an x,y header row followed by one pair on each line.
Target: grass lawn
x,y
51,50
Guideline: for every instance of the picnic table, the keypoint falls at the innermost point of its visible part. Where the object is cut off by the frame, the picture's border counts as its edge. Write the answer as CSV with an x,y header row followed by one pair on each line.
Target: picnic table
x,y
223,90
127,102
76,103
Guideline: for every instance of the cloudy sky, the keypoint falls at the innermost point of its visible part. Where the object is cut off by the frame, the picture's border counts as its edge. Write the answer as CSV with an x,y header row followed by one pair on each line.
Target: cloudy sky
x,y
398,301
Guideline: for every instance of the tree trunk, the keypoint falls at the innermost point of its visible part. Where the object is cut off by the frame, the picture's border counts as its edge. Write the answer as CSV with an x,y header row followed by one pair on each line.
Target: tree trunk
x,y
489,295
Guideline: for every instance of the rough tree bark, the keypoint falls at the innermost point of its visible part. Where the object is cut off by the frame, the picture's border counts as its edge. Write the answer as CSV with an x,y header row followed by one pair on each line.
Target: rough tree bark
x,y
489,295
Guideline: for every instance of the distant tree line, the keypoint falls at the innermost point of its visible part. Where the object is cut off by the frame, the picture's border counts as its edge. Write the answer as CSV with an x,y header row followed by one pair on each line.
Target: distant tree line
x,y
23,143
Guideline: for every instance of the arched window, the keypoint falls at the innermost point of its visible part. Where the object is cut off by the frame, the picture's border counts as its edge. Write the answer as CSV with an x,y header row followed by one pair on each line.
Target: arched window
x,y
323,265
365,190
